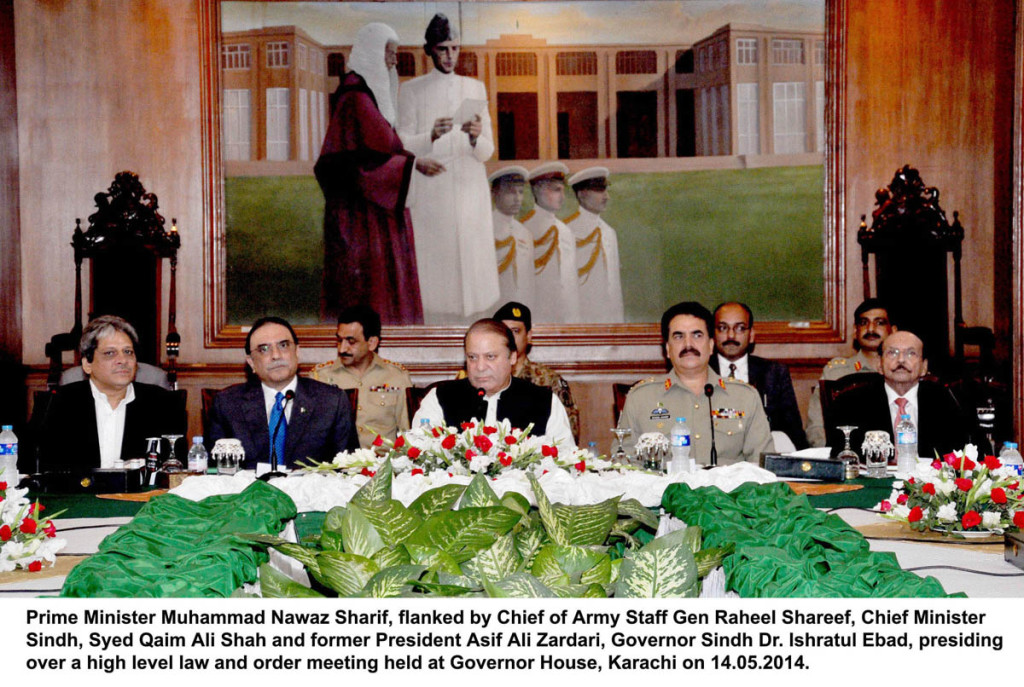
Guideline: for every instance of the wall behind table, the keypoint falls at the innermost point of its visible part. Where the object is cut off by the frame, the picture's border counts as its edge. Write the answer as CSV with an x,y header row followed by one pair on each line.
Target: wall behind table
x,y
113,85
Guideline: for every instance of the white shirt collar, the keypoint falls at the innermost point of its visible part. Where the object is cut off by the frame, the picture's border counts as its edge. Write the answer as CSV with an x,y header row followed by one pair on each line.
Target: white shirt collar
x,y
742,367
911,394
270,396
129,395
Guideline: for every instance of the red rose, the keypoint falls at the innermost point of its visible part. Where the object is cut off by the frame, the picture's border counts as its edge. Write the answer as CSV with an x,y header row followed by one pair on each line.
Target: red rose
x,y
910,481
448,442
3,486
992,463
482,443
28,526
417,471
505,459
413,453
543,473
510,440
50,529
885,506
969,464
35,566
469,454
5,533
929,488
490,430
581,466
1014,485
998,495
936,465
368,472
549,451
970,519
467,425
379,441
1018,520
400,442
35,508
902,498
964,484
950,458
915,514
436,432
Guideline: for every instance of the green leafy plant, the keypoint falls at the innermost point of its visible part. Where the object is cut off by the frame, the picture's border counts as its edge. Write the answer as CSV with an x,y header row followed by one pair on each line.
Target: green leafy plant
x,y
468,541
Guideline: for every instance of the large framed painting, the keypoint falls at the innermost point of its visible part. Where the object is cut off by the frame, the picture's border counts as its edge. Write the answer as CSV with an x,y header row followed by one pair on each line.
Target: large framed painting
x,y
682,149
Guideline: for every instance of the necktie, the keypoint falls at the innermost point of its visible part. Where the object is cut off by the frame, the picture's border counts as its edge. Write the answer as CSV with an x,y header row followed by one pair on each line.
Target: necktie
x,y
276,416
732,370
901,410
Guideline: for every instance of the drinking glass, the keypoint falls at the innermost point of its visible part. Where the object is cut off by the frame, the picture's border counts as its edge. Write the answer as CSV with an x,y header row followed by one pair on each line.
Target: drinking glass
x,y
877,449
172,464
620,456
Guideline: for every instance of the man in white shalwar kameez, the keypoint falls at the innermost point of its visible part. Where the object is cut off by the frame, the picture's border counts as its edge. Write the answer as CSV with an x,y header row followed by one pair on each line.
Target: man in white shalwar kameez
x,y
597,249
513,243
554,248
451,214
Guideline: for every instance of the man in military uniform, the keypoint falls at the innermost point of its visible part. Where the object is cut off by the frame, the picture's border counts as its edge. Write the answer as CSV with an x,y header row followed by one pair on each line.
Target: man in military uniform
x,y
694,391
381,405
518,319
556,278
870,327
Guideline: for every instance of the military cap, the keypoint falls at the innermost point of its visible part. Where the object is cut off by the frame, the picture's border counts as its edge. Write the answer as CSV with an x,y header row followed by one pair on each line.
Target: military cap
x,y
517,312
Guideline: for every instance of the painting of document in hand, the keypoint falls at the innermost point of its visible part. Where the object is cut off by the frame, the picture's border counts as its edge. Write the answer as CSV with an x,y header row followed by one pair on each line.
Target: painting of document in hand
x,y
664,150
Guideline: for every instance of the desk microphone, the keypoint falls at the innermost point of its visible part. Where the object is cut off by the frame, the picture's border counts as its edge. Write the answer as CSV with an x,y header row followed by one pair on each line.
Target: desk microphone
x,y
482,407
709,390
274,472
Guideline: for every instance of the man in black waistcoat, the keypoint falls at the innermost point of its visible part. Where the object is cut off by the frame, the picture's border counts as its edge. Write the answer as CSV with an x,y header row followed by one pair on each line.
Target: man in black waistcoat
x,y
490,392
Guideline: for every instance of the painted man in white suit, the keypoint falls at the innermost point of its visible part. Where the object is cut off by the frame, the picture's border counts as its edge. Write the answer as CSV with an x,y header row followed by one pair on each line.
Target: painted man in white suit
x,y
513,243
597,249
554,248
451,213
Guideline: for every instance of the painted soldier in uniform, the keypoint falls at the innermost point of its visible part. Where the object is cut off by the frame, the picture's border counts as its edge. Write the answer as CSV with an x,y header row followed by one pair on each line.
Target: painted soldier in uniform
x,y
871,325
694,391
381,405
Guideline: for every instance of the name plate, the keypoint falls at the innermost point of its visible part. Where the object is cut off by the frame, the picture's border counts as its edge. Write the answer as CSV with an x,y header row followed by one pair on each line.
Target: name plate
x,y
822,469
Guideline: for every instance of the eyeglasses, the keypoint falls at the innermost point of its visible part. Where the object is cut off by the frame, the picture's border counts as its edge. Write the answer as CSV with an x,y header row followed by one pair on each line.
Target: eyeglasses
x,y
739,328
878,322
908,353
282,346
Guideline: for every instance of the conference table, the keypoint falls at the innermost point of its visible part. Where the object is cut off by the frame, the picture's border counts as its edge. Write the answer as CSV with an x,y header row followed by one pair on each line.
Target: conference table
x,y
975,568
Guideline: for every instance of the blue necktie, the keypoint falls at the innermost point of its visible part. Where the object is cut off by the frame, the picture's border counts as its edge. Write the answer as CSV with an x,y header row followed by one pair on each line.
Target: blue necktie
x,y
277,415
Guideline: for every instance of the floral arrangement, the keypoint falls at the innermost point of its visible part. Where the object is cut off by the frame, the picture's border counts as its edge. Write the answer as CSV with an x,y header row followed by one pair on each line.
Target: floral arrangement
x,y
959,493
473,448
26,540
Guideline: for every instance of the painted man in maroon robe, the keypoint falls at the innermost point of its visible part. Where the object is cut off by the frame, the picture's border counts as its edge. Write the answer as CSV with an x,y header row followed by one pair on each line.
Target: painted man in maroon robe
x,y
365,175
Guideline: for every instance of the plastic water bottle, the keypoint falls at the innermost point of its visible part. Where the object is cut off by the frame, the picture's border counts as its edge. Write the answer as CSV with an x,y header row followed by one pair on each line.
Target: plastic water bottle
x,y
9,456
906,445
1011,457
680,440
198,460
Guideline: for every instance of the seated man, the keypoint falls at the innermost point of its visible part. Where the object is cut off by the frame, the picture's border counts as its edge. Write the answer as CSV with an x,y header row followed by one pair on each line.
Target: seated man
x,y
871,324
693,390
490,393
381,383
280,412
109,416
734,341
941,426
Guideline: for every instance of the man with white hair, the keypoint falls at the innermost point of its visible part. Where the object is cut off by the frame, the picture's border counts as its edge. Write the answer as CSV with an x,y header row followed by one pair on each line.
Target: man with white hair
x,y
108,417
554,248
444,115
597,249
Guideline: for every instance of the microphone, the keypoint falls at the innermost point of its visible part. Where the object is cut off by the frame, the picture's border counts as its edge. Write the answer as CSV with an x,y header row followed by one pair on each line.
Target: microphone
x,y
709,390
482,407
274,472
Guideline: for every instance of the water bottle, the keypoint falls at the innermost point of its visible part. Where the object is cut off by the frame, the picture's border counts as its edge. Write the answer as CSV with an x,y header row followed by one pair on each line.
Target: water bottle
x,y
197,458
680,440
1011,457
9,456
906,445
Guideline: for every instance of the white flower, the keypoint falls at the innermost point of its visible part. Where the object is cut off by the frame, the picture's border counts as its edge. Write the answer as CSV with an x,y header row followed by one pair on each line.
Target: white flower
x,y
947,512
990,519
359,457
897,485
971,451
894,495
945,488
401,464
480,463
900,512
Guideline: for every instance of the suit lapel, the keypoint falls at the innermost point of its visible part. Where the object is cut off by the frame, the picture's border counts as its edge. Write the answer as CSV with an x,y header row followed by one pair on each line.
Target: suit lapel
x,y
302,412
756,371
255,412
90,430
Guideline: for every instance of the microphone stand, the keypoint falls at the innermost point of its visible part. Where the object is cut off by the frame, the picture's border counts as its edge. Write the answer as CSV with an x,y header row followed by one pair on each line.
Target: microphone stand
x,y
709,390
274,472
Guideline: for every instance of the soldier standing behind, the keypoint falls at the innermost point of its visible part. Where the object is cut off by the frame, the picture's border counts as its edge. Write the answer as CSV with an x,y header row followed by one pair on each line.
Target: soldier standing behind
x,y
597,249
381,404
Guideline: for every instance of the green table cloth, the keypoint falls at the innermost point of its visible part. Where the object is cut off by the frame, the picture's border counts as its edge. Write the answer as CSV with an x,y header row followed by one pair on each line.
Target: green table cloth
x,y
181,548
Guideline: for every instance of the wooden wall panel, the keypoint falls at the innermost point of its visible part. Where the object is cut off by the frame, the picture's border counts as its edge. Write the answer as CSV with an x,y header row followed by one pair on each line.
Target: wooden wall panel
x,y
10,230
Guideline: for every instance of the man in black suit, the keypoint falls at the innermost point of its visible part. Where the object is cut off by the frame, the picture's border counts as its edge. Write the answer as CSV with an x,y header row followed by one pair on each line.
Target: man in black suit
x,y
490,393
734,339
106,418
941,425
280,414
